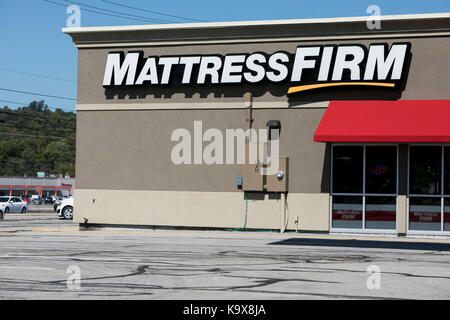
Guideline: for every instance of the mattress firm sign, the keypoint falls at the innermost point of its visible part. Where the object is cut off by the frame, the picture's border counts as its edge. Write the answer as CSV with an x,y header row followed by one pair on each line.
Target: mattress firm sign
x,y
310,67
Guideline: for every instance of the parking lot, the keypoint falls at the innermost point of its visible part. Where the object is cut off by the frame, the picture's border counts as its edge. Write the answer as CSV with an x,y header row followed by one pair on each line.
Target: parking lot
x,y
43,208
39,253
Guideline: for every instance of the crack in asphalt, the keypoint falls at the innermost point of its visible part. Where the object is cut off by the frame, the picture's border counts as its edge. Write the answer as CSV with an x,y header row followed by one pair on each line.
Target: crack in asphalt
x,y
154,266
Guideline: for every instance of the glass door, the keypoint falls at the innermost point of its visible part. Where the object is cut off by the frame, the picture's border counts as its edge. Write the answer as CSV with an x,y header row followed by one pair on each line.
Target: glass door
x,y
364,188
429,189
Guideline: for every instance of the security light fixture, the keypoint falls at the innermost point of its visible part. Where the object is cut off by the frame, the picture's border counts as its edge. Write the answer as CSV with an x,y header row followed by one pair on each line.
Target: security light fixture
x,y
273,125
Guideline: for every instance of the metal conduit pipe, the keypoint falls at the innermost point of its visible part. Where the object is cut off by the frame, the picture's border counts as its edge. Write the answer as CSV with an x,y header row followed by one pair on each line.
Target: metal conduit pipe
x,y
248,125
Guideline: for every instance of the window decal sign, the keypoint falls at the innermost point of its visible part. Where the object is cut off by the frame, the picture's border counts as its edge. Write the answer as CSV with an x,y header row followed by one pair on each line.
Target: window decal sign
x,y
308,68
378,170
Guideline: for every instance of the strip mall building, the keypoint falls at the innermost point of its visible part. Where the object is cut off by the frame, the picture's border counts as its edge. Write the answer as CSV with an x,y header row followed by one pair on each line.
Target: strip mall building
x,y
363,118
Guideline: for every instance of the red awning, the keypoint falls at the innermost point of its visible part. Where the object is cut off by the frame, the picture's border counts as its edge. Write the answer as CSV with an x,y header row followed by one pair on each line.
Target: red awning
x,y
385,121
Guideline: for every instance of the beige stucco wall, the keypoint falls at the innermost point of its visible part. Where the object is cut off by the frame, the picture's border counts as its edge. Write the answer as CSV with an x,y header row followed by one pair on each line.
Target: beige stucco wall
x,y
131,150
428,76
199,209
124,163
401,214
123,134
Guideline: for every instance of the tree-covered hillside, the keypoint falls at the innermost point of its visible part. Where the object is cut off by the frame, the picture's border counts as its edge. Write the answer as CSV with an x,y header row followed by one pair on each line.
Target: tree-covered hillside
x,y
34,138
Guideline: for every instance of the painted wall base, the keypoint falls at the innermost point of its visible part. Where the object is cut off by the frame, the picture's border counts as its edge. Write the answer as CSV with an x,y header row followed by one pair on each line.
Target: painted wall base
x,y
200,209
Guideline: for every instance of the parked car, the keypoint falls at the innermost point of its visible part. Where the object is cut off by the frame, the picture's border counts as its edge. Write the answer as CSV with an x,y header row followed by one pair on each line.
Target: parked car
x,y
36,200
47,200
65,209
13,204
56,202
25,198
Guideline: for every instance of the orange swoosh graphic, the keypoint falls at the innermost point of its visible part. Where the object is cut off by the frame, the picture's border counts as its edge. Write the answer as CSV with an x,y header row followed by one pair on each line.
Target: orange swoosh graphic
x,y
338,84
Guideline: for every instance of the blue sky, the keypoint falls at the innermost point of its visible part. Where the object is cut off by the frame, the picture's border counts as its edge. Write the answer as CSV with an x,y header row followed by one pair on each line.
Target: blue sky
x,y
32,41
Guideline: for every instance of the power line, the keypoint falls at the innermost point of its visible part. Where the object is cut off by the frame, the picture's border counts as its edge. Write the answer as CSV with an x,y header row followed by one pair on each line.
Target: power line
x,y
26,104
14,102
37,117
121,13
25,127
37,75
28,135
26,115
38,94
21,127
107,14
154,12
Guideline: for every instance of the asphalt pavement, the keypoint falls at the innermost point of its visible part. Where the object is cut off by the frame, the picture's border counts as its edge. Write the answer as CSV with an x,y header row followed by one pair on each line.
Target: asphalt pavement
x,y
42,208
44,257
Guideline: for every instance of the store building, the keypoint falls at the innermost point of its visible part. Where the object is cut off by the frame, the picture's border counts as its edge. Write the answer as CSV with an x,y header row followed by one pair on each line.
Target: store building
x,y
363,118
27,186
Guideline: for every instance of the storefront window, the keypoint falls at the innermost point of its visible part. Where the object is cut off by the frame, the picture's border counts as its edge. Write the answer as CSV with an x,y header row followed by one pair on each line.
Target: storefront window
x,y
381,212
347,212
373,182
425,214
348,169
425,170
429,188
381,169
447,188
447,214
447,170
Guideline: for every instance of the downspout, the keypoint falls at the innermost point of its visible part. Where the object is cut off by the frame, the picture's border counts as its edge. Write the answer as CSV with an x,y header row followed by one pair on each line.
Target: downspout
x,y
249,118
248,125
283,212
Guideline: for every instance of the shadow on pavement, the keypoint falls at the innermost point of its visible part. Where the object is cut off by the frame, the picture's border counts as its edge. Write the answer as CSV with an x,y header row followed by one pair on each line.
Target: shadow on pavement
x,y
353,243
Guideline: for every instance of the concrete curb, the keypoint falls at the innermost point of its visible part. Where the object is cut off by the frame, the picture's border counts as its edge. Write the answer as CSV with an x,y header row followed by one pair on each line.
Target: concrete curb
x,y
29,214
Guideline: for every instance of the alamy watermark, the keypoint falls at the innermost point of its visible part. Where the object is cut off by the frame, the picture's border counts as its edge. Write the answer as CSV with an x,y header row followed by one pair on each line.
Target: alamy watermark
x,y
74,20
74,279
374,20
374,280
235,146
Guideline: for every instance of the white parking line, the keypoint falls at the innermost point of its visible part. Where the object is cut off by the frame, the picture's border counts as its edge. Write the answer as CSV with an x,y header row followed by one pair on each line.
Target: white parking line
x,y
111,259
33,268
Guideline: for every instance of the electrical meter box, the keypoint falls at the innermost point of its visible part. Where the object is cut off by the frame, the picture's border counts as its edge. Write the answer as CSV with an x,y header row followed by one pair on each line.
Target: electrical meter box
x,y
278,182
252,178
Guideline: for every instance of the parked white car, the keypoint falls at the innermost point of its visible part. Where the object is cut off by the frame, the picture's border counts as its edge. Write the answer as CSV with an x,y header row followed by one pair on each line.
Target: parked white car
x,y
12,204
65,208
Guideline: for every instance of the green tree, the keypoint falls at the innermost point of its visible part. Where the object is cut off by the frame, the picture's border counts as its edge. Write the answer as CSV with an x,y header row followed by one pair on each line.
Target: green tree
x,y
34,138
